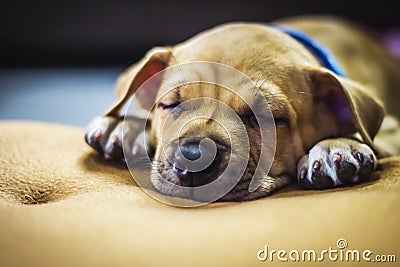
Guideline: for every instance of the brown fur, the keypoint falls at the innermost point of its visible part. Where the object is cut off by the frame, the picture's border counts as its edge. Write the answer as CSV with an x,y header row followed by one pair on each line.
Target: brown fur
x,y
290,78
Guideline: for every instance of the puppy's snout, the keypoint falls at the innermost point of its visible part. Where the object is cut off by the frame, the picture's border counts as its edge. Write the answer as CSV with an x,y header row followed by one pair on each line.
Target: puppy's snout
x,y
189,160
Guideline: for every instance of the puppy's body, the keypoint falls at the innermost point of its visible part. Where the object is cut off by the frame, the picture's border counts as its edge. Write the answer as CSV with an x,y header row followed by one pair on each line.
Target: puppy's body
x,y
363,59
316,112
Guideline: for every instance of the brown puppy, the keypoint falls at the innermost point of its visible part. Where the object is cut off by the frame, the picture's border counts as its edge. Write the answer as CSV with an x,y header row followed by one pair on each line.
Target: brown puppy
x,y
317,112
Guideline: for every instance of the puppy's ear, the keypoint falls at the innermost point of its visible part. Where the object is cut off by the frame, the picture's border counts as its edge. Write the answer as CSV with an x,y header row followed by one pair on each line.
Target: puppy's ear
x,y
128,82
354,108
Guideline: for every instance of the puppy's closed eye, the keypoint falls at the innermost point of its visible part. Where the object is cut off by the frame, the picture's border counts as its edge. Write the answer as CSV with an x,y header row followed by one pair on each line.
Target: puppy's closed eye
x,y
170,105
279,121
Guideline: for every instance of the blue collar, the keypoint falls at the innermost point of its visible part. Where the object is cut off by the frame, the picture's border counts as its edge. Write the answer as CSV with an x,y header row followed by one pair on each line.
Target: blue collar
x,y
325,58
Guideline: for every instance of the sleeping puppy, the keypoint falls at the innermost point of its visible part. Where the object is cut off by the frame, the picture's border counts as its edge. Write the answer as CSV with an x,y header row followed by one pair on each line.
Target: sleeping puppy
x,y
326,113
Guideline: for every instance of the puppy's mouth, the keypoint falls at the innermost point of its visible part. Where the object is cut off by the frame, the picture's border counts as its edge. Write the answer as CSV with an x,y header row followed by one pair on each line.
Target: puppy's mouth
x,y
177,174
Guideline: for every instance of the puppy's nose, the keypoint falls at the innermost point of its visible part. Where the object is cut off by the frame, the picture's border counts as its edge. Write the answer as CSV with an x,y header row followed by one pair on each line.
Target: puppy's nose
x,y
192,152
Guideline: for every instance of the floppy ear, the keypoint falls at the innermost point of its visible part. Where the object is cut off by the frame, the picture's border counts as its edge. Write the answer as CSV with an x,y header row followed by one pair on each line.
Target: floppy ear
x,y
354,108
128,82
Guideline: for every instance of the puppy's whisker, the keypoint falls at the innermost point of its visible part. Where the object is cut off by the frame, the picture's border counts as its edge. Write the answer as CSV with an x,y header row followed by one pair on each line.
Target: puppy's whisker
x,y
266,80
162,141
259,76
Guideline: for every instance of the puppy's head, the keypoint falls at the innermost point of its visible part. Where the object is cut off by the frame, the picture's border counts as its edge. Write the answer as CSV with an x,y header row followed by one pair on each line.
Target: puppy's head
x,y
201,131
308,104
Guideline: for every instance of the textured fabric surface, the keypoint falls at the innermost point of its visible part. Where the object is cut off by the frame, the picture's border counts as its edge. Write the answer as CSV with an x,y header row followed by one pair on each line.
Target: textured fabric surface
x,y
86,212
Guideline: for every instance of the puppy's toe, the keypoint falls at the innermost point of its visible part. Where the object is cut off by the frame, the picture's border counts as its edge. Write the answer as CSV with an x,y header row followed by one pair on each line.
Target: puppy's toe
x,y
141,146
113,148
320,176
98,131
314,173
93,140
126,140
345,170
303,178
335,162
367,164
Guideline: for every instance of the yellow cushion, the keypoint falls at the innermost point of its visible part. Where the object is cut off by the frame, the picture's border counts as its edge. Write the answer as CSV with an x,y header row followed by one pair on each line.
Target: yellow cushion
x,y
86,212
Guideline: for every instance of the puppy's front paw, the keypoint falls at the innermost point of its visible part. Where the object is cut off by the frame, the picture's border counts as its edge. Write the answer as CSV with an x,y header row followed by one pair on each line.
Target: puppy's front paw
x,y
98,132
335,162
105,134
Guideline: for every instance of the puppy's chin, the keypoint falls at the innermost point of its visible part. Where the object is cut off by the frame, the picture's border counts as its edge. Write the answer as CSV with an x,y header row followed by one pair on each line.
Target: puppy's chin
x,y
167,183
170,187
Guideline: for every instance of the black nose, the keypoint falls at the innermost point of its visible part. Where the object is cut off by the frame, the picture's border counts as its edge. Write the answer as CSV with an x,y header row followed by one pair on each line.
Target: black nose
x,y
191,151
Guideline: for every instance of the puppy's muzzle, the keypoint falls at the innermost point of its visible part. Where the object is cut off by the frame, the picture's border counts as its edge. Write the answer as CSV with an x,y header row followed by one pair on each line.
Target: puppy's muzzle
x,y
198,163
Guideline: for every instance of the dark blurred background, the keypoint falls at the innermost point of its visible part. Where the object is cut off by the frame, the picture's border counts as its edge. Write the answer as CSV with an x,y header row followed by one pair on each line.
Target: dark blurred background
x,y
59,59
100,32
